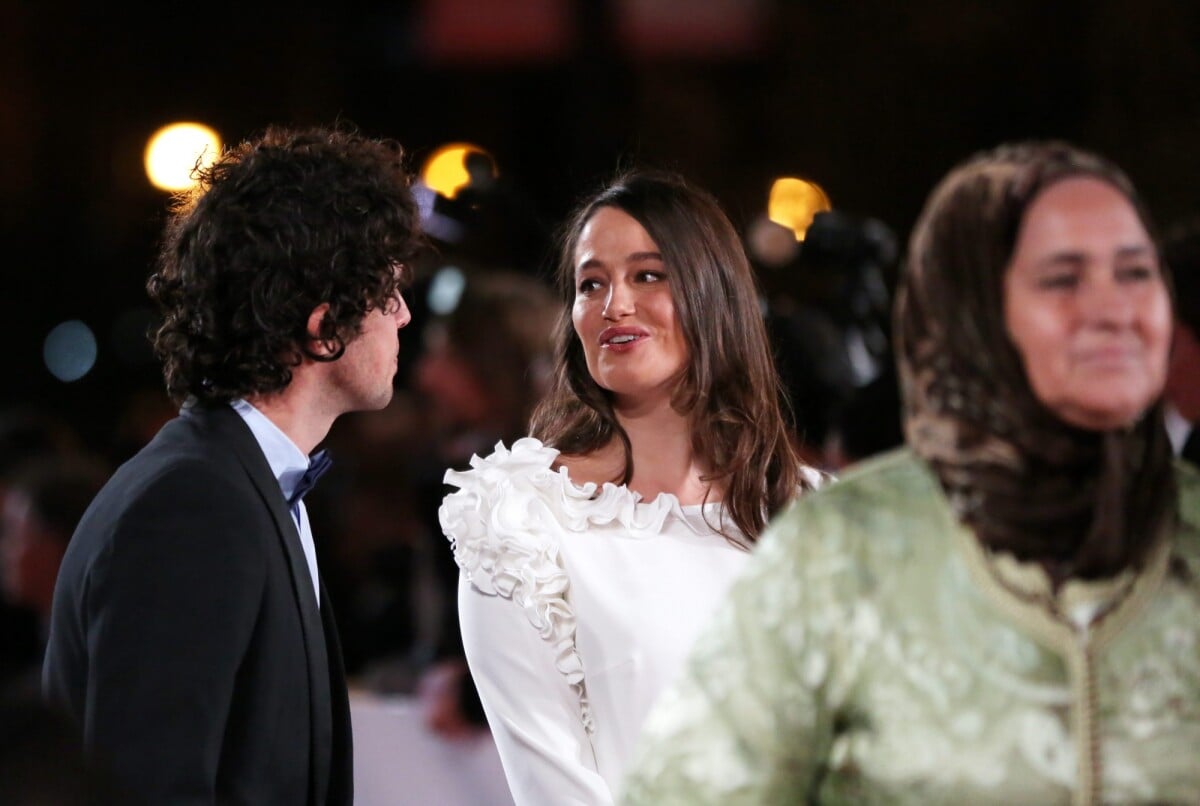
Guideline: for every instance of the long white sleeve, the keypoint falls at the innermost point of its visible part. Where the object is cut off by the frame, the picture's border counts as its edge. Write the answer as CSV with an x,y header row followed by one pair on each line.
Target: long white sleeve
x,y
577,605
533,711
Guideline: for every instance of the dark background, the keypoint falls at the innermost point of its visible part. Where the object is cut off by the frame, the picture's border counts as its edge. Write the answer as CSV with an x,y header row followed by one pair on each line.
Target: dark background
x,y
875,100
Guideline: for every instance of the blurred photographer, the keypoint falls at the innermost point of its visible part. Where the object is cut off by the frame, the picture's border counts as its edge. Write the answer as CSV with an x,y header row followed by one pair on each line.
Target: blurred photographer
x,y
829,312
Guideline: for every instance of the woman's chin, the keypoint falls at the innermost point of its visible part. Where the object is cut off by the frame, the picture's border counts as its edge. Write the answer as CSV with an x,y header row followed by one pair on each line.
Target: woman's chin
x,y
1103,418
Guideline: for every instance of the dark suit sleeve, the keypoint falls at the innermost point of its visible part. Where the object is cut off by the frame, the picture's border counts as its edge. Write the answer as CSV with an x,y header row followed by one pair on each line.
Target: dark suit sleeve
x,y
172,606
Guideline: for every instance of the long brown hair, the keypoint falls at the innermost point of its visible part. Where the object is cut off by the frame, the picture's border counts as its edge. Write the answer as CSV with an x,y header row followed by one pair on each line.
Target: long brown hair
x,y
1083,503
730,388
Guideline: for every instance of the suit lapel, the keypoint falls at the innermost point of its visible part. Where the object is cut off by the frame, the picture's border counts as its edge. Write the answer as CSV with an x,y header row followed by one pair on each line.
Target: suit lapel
x,y
230,429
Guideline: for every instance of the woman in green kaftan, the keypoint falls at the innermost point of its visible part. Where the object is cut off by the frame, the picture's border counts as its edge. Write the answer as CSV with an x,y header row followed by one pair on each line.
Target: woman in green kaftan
x,y
1007,610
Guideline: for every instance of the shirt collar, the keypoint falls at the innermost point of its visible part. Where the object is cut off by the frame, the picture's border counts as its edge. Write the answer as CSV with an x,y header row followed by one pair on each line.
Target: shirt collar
x,y
1178,427
287,461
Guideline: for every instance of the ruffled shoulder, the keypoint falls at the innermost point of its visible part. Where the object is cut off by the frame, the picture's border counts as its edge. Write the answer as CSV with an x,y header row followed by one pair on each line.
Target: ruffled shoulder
x,y
494,520
502,526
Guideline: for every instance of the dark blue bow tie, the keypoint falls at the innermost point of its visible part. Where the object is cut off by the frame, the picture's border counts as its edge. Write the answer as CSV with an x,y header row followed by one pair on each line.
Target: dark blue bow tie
x,y
318,463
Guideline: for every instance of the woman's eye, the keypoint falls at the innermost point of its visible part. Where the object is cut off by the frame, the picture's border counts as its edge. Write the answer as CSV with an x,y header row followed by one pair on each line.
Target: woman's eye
x,y
1058,281
1136,274
587,285
651,276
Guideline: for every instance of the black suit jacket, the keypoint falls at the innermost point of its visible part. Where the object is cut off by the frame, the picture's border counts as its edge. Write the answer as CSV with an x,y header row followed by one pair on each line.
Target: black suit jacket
x,y
186,638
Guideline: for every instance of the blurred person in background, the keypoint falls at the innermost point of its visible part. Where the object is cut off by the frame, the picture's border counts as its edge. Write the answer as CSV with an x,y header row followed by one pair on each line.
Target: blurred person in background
x,y
592,551
191,639
40,506
1182,254
24,437
828,316
1008,611
485,364
45,485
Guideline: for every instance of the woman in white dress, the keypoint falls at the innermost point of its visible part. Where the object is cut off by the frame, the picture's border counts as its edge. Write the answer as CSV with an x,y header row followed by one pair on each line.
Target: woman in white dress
x,y
593,551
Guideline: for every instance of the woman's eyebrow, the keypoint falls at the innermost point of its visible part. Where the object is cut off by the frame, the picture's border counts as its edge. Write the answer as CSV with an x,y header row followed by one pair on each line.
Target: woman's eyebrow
x,y
633,257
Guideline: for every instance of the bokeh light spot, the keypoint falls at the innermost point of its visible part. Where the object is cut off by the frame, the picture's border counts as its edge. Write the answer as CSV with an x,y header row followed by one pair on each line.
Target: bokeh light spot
x,y
794,202
445,290
446,169
70,351
173,151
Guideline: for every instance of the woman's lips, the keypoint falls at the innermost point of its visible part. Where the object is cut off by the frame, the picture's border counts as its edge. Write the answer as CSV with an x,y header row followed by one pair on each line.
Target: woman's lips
x,y
621,339
1110,357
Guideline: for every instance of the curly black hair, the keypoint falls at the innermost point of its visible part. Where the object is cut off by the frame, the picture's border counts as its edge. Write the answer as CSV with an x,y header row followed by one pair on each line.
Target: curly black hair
x,y
276,227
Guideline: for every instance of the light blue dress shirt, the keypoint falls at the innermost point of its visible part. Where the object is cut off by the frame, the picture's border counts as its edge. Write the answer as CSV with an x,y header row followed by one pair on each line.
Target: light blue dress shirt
x,y
288,464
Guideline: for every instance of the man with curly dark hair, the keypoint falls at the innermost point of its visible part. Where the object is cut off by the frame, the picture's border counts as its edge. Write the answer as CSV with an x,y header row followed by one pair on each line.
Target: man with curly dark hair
x,y
191,636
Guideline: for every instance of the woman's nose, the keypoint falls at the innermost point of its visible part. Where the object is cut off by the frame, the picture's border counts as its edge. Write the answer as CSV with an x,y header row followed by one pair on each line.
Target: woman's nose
x,y
619,302
1105,301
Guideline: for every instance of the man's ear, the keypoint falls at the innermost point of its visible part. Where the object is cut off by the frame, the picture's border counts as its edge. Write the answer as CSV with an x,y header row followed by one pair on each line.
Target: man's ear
x,y
316,344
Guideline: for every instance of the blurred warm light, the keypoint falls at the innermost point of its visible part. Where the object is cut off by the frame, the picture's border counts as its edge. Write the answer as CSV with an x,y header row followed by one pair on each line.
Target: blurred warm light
x,y
172,154
794,202
446,169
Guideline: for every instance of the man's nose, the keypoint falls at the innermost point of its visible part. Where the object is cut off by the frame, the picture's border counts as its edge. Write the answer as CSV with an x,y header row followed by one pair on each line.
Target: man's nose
x,y
402,315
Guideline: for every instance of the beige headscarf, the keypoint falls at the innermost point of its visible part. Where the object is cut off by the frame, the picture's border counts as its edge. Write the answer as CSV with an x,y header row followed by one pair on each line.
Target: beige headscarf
x,y
1085,504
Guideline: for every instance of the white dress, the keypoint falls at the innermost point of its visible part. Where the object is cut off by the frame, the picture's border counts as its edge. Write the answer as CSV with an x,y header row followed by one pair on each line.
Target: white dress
x,y
578,605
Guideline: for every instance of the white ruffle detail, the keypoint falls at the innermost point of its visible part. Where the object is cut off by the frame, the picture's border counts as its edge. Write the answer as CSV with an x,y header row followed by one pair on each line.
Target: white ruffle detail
x,y
504,524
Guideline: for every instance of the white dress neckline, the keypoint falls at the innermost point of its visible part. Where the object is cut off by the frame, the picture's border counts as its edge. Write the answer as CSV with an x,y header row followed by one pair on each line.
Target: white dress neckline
x,y
508,553
611,585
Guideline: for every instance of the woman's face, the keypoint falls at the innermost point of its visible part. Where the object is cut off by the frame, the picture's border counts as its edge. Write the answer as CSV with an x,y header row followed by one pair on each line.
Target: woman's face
x,y
1086,306
624,314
